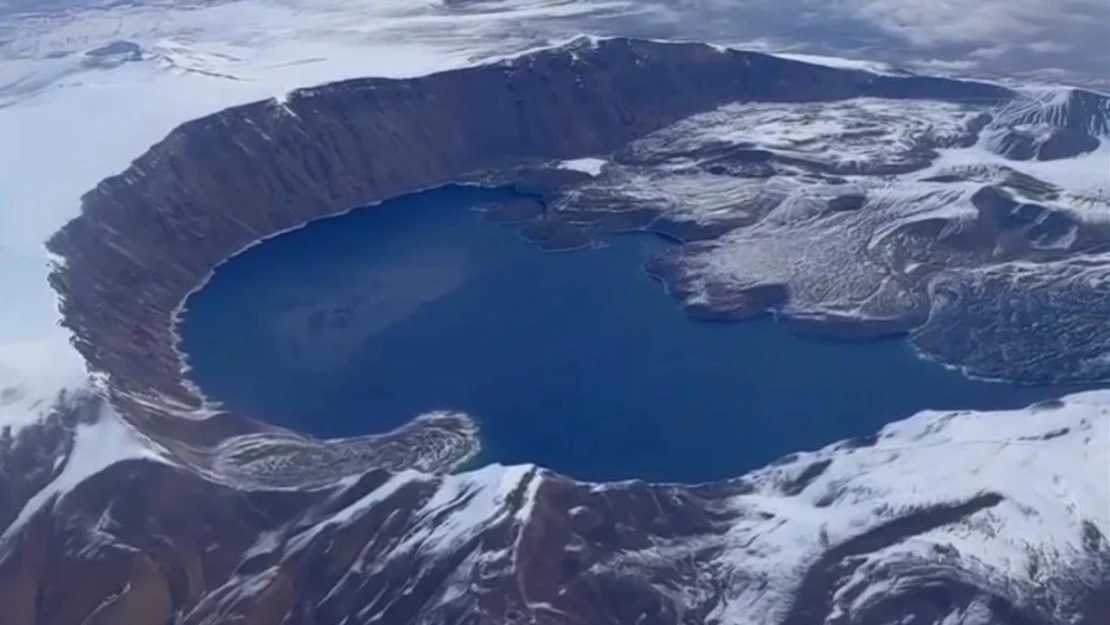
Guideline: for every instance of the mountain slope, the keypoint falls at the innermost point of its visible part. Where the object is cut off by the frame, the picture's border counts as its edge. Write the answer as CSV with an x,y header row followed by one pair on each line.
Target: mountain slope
x,y
921,521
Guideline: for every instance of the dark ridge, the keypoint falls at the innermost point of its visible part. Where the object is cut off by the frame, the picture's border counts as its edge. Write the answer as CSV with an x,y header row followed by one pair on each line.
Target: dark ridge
x,y
850,202
1016,145
1066,144
1048,404
118,47
806,477
813,599
933,600
1047,436
785,460
1082,111
944,178
1093,540
860,442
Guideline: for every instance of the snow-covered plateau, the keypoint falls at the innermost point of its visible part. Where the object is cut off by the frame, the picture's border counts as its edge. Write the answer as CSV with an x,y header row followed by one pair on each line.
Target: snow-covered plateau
x,y
846,197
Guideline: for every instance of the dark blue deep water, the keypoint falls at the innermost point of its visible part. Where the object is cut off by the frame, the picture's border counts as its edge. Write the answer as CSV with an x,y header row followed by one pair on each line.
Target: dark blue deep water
x,y
577,361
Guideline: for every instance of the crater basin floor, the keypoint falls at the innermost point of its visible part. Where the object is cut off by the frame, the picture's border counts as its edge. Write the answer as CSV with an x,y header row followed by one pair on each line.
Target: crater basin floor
x,y
577,361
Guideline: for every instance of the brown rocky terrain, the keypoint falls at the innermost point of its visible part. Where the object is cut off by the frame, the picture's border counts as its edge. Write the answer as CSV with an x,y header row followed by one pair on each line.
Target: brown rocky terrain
x,y
125,537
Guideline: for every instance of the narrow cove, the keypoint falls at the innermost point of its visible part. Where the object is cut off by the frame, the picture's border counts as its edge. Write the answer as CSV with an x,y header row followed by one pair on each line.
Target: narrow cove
x,y
576,361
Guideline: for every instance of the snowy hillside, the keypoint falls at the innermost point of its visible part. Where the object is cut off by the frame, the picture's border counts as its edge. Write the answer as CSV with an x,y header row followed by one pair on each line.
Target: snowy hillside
x,y
852,533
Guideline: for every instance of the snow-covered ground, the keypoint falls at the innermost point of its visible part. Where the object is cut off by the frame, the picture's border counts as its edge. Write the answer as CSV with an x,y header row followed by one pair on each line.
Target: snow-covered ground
x,y
1017,537
96,446
932,459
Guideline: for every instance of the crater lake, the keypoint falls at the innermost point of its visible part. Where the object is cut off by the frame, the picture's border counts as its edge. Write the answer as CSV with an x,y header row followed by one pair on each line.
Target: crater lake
x,y
577,361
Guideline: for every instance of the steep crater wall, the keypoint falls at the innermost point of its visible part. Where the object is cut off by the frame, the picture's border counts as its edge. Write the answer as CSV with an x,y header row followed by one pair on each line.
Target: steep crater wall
x,y
150,235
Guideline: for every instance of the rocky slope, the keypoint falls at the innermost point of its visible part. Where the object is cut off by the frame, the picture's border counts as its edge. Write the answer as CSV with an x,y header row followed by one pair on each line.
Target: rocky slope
x,y
141,504
922,523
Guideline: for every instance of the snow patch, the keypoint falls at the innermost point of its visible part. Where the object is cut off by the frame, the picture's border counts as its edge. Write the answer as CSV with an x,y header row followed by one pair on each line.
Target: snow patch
x,y
96,446
591,166
1084,179
1060,450
840,63
476,500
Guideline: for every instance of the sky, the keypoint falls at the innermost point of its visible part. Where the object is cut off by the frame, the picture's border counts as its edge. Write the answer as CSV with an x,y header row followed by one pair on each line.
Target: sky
x,y
66,123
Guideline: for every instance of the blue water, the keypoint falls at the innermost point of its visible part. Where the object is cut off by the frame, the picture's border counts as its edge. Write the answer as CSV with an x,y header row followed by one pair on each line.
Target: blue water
x,y
577,361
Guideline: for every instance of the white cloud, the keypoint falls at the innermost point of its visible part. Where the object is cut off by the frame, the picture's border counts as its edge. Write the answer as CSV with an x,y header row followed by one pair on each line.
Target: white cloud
x,y
940,66
1056,47
931,22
